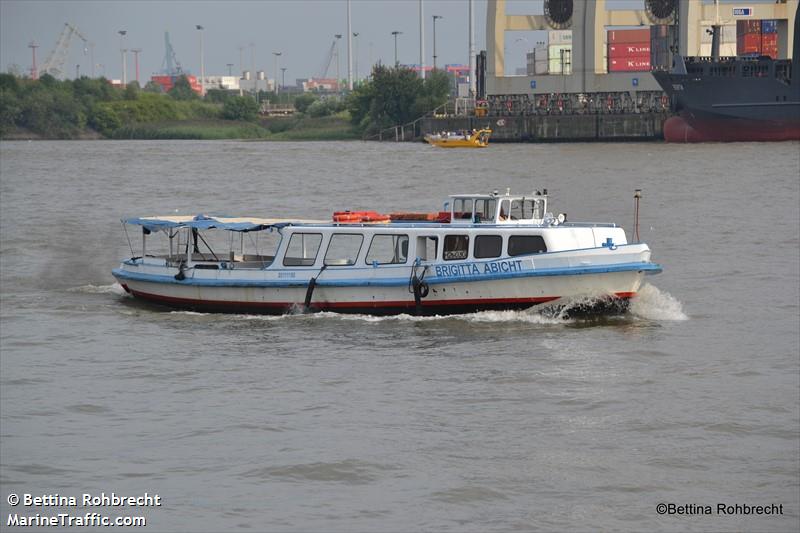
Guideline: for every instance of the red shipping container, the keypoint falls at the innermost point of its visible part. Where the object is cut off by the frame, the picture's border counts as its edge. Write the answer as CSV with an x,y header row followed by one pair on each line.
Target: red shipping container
x,y
628,64
628,36
748,26
771,51
748,43
627,50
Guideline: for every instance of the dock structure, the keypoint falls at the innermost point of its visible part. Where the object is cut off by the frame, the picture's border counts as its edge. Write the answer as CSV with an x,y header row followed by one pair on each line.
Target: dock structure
x,y
559,128
589,21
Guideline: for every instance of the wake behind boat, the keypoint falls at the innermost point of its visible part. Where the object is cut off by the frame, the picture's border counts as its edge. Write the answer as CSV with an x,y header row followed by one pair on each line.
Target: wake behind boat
x,y
483,252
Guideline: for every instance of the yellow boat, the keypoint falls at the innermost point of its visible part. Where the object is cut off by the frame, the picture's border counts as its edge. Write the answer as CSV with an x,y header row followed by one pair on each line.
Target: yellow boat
x,y
476,139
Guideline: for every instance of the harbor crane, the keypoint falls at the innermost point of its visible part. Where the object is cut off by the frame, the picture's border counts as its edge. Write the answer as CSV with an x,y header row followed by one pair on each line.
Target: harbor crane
x,y
170,66
54,64
326,63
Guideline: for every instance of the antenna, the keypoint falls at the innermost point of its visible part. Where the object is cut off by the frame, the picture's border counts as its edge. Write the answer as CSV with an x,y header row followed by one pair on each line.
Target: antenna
x,y
637,195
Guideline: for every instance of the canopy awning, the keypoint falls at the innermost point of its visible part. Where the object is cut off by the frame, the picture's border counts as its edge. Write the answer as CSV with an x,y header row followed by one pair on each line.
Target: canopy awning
x,y
203,222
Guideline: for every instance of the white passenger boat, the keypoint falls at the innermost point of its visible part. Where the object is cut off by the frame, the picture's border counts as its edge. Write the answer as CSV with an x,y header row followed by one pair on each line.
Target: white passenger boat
x,y
485,251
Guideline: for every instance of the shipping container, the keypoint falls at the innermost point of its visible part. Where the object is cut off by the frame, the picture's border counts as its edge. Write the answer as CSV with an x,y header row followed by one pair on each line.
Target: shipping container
x,y
561,63
769,39
748,26
748,44
771,51
559,37
554,51
628,64
628,36
168,82
627,50
769,26
537,61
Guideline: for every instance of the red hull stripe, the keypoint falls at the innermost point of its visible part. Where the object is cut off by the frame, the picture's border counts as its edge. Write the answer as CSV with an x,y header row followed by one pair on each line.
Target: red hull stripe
x,y
189,302
677,129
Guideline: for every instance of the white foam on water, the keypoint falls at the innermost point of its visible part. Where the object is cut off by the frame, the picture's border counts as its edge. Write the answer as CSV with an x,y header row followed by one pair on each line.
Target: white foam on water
x,y
654,304
114,288
528,316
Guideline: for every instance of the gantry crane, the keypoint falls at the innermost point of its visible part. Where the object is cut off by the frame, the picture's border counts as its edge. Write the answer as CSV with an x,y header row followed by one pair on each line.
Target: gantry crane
x,y
54,64
326,63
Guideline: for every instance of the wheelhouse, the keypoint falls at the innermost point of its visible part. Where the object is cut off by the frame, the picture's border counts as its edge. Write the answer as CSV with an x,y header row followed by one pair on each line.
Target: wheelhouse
x,y
496,209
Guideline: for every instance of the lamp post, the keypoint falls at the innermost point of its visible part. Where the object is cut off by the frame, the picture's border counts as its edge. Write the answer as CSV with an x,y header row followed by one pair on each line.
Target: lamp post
x,y
283,78
338,37
277,55
122,50
202,65
434,39
355,39
421,41
396,62
253,70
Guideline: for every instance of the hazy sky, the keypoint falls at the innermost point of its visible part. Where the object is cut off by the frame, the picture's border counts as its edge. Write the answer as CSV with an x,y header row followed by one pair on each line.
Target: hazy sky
x,y
302,30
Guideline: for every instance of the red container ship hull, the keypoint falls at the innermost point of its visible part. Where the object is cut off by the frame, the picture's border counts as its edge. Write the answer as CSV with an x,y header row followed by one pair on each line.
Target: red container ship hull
x,y
734,99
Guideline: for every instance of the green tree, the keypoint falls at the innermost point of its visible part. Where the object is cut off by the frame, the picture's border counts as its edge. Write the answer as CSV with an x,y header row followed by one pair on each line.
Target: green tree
x,y
132,91
302,102
9,82
153,87
219,96
182,90
10,109
240,108
395,96
104,119
435,92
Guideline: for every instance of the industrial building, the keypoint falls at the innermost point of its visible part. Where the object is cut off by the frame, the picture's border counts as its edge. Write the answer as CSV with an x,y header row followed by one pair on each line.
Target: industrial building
x,y
590,23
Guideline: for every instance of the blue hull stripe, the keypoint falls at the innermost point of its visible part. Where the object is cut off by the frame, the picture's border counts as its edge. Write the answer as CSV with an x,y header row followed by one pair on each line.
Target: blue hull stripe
x,y
648,268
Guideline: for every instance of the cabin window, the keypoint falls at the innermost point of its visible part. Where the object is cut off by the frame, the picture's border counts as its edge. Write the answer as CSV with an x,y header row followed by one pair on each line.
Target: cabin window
x,y
388,250
504,209
487,246
455,247
485,209
427,248
526,244
302,249
343,249
462,208
524,209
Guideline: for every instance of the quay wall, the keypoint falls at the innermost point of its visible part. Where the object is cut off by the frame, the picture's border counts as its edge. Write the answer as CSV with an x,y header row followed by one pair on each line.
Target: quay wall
x,y
556,128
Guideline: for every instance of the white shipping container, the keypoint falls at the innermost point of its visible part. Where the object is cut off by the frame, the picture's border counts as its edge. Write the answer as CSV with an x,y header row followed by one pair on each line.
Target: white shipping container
x,y
559,37
554,51
560,59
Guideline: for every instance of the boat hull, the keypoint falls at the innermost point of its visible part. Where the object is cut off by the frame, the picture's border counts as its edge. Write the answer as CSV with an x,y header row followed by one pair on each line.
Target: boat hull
x,y
693,127
730,108
595,292
457,144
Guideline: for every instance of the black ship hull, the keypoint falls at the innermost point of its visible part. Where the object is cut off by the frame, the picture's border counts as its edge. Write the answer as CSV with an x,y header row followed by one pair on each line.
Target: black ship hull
x,y
716,108
734,98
